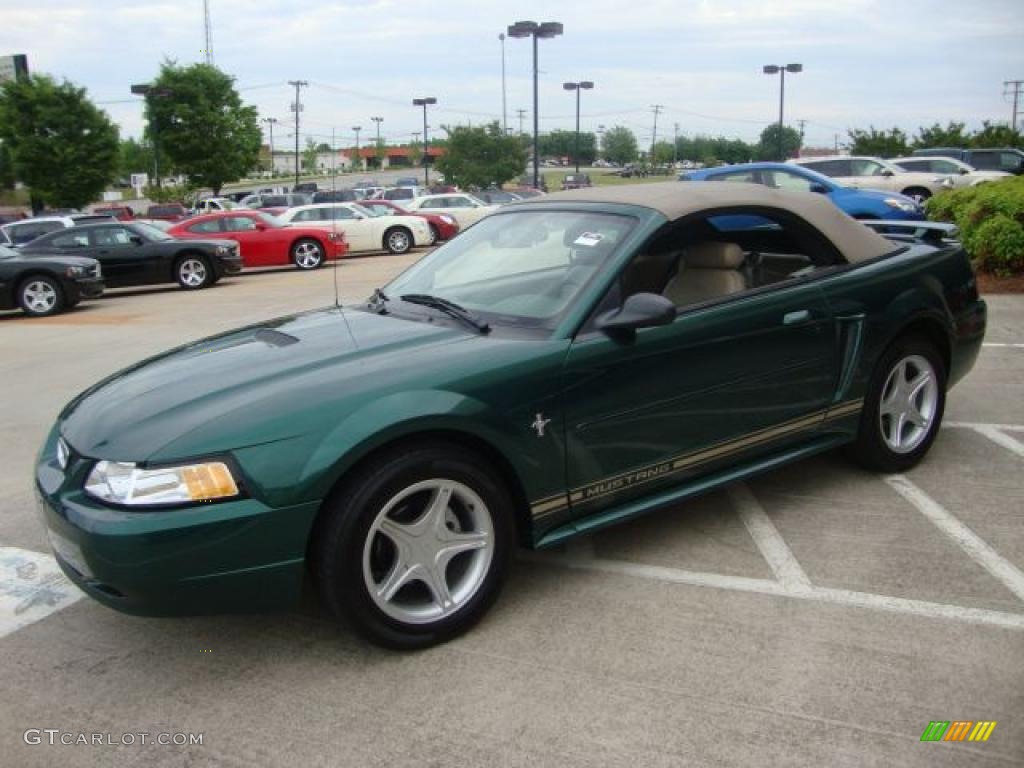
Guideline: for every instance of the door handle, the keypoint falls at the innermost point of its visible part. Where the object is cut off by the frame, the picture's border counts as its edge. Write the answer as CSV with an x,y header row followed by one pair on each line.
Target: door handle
x,y
798,317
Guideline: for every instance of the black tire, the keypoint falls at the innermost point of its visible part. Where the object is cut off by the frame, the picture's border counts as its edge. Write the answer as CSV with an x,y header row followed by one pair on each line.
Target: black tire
x,y
41,296
871,449
398,240
307,254
435,234
345,536
920,194
193,272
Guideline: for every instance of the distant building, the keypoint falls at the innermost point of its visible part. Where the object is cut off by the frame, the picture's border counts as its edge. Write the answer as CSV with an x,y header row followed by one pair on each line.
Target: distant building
x,y
395,157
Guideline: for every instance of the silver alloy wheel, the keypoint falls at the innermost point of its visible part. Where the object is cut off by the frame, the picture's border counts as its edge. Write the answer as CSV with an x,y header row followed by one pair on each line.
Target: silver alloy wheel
x,y
433,235
398,241
307,255
192,272
909,400
39,297
428,551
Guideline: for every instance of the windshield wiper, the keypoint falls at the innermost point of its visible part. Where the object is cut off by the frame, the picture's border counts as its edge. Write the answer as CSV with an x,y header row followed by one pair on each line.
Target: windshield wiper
x,y
448,307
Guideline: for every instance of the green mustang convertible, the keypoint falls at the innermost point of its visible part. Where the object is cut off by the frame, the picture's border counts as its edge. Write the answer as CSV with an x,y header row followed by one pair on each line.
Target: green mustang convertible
x,y
566,363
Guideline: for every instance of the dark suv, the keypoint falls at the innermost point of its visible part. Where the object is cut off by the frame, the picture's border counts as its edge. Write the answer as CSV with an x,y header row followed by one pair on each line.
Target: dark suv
x,y
999,159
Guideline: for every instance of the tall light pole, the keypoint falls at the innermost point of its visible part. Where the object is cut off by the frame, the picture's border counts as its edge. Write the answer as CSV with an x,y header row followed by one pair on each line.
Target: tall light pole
x,y
378,120
424,102
779,69
582,85
357,129
297,108
545,30
504,107
271,122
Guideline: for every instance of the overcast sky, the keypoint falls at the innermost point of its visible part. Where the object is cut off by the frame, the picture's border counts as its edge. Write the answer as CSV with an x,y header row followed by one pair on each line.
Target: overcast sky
x,y
903,63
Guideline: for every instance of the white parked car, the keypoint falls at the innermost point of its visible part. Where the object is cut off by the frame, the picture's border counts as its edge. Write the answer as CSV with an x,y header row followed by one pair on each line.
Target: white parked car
x,y
363,229
963,175
19,233
402,195
876,173
214,204
464,208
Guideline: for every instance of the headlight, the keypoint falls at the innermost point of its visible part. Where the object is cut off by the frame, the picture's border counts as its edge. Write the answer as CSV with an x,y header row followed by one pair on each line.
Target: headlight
x,y
224,250
75,272
125,483
903,205
447,219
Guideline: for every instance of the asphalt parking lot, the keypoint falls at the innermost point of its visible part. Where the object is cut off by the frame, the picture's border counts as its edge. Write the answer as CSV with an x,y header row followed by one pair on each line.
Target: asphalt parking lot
x,y
818,615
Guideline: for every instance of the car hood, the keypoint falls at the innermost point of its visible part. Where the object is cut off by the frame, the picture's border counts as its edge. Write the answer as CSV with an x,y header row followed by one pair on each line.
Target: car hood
x,y
278,379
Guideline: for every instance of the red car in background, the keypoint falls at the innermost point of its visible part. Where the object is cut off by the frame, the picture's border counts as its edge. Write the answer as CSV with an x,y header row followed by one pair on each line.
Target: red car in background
x,y
167,212
264,241
442,226
119,212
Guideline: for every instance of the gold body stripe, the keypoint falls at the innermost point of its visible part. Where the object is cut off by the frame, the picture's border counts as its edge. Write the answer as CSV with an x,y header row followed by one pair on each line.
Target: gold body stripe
x,y
558,502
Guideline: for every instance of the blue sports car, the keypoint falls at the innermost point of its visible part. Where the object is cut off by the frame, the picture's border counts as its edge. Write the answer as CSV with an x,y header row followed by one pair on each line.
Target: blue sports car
x,y
858,203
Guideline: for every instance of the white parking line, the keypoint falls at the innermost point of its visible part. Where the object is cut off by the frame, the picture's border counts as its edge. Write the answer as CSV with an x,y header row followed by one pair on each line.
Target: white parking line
x,y
767,538
32,587
976,425
1002,345
1000,438
979,551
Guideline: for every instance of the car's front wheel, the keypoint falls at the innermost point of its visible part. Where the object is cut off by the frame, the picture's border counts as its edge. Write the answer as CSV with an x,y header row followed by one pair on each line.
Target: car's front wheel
x,y
903,408
414,549
193,272
307,254
40,296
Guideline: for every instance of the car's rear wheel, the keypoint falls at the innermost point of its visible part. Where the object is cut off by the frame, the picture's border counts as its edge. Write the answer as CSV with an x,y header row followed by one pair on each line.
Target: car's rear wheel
x,y
40,296
398,240
193,272
918,194
414,549
903,408
307,254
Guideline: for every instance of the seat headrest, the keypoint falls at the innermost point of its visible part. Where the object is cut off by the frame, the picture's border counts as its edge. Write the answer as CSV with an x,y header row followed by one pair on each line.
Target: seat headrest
x,y
713,255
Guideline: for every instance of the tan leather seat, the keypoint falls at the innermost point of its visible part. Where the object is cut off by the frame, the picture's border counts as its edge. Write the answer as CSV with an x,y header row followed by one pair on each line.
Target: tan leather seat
x,y
707,271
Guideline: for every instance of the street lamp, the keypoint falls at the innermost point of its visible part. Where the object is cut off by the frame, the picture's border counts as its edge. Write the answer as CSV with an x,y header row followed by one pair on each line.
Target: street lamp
x,y
146,90
357,129
583,85
778,69
426,141
504,107
545,30
378,121
271,122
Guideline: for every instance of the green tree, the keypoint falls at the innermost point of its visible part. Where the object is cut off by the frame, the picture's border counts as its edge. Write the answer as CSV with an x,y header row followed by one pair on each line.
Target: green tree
x,y
61,146
202,126
136,157
309,156
619,145
380,152
768,145
563,144
952,135
663,152
415,153
7,178
480,156
997,135
890,143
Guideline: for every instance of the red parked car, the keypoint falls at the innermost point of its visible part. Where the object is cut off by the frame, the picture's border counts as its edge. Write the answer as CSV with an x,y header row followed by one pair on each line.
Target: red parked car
x,y
442,226
263,240
167,212
119,212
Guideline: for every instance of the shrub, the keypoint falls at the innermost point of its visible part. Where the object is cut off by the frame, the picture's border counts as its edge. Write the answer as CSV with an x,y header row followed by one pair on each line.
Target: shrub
x,y
991,221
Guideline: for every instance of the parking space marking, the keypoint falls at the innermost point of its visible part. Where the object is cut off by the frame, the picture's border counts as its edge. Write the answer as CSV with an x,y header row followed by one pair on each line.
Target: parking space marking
x,y
1003,345
999,437
32,586
767,538
976,425
978,550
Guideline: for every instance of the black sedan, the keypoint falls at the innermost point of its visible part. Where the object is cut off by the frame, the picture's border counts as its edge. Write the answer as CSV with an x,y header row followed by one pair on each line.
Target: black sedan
x,y
46,285
133,253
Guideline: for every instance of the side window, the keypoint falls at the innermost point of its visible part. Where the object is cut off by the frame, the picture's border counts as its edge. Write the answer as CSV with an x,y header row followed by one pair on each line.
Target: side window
x,y
830,167
71,239
1010,161
239,224
309,215
941,166
744,176
918,166
434,204
26,233
865,168
460,202
988,161
110,236
787,180
207,227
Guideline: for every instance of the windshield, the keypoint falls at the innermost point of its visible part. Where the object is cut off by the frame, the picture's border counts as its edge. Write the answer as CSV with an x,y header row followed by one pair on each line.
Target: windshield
x,y
523,267
151,232
370,213
271,221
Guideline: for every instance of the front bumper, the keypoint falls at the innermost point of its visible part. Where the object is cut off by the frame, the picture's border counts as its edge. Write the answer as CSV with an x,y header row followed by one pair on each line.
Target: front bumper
x,y
90,287
229,265
233,557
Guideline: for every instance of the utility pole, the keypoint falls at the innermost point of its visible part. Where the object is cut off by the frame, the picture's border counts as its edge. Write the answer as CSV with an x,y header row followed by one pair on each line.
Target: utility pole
x,y
504,107
1016,93
209,33
836,135
521,114
675,143
358,159
380,161
297,108
801,123
271,122
656,108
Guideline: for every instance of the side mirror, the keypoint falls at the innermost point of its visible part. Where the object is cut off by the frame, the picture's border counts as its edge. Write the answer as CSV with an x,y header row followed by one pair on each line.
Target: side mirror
x,y
820,189
963,171
260,226
641,310
886,172
137,239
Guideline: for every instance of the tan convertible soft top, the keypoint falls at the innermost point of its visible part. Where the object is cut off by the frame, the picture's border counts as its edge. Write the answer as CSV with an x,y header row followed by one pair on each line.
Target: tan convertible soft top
x,y
680,198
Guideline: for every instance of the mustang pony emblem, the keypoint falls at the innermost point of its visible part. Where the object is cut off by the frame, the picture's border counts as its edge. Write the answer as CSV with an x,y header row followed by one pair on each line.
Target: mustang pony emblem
x,y
539,422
